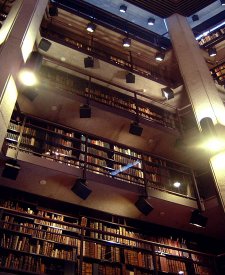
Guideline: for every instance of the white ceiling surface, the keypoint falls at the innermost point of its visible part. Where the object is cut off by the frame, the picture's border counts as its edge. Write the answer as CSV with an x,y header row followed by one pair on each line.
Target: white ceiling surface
x,y
140,17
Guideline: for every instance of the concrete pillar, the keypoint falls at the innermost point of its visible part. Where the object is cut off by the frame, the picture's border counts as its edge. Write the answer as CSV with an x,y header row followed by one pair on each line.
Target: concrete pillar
x,y
17,37
202,92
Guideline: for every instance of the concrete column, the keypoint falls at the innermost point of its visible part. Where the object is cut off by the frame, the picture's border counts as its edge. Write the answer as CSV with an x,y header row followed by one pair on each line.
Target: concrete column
x,y
202,92
17,37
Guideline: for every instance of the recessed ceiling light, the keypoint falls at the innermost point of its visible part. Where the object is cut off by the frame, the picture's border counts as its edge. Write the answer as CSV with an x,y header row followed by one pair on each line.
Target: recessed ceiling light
x,y
43,182
177,184
54,108
91,27
126,42
151,21
63,58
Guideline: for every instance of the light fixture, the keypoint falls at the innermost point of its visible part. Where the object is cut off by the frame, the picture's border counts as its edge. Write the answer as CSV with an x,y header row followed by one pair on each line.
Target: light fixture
x,y
198,219
151,21
135,129
11,169
195,17
44,44
143,205
159,56
27,74
85,111
123,8
211,141
126,42
80,188
167,93
212,52
222,2
180,272
177,184
91,27
130,78
88,62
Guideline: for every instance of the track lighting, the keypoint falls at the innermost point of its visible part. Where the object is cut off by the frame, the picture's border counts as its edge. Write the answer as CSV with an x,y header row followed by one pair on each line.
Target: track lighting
x,y
222,2
126,42
212,52
88,62
80,188
11,169
160,56
130,78
91,27
85,111
198,219
123,8
167,93
151,21
195,17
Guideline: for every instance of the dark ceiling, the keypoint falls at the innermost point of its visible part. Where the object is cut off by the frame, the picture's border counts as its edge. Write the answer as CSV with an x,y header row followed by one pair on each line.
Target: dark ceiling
x,y
165,8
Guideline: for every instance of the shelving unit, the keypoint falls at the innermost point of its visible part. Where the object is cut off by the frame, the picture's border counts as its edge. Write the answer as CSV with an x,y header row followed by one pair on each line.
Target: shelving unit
x,y
212,38
218,73
100,156
123,101
36,240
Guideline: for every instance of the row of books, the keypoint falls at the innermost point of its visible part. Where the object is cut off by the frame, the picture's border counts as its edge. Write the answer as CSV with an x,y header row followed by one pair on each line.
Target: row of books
x,y
139,259
210,36
171,265
23,243
55,224
101,252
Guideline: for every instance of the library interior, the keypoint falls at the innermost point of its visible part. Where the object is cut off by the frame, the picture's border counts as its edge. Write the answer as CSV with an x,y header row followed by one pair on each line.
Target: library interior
x,y
112,141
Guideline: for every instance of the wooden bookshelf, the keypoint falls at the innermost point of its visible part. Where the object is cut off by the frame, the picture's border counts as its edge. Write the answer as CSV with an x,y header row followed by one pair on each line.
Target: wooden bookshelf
x,y
123,101
212,38
103,246
218,73
100,156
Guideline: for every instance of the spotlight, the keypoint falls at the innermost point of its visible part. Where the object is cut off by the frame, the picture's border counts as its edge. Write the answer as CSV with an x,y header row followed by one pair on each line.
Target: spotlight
x,y
176,184
167,93
212,52
53,10
11,169
123,8
222,2
198,219
151,21
195,17
88,62
85,111
126,42
91,27
143,206
44,44
27,73
135,129
80,189
159,56
130,78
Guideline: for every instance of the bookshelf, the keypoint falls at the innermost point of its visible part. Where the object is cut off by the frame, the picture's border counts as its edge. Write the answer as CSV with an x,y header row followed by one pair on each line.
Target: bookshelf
x,y
125,101
100,156
212,38
218,73
78,244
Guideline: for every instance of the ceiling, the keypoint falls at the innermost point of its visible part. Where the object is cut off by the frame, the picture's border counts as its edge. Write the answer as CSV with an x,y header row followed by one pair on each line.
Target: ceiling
x,y
57,104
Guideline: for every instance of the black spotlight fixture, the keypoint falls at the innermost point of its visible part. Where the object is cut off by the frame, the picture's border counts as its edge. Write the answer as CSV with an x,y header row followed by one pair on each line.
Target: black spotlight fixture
x,y
130,78
143,205
89,62
91,27
34,61
123,8
80,188
11,169
85,111
222,2
53,10
151,21
126,42
198,219
208,128
167,93
195,17
159,56
44,44
212,52
135,129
